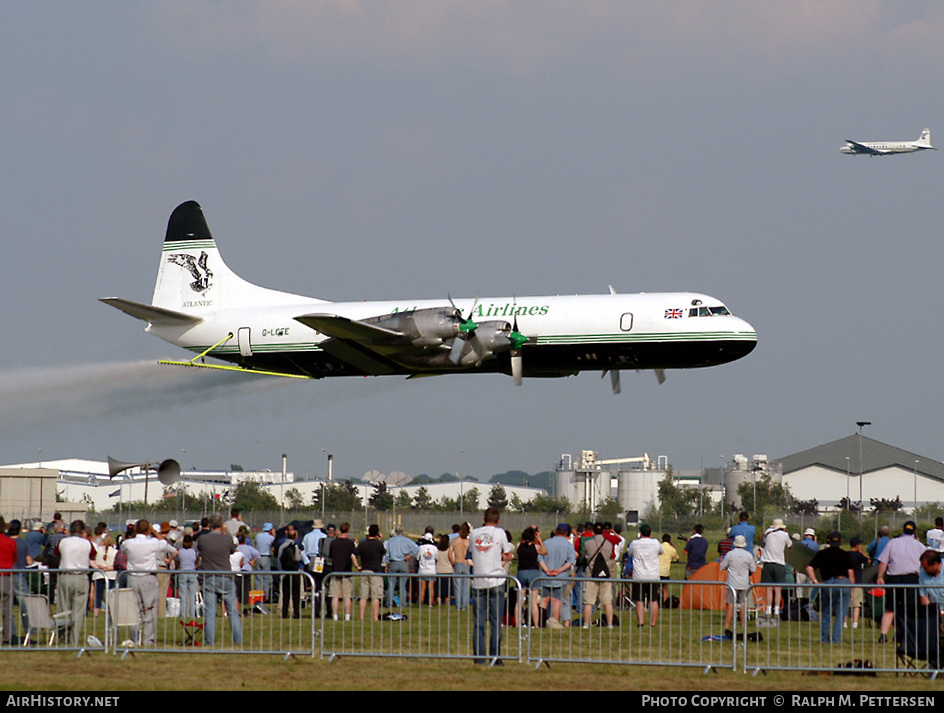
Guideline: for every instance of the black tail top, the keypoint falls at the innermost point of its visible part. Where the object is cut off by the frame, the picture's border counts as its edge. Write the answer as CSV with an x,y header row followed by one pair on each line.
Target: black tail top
x,y
187,223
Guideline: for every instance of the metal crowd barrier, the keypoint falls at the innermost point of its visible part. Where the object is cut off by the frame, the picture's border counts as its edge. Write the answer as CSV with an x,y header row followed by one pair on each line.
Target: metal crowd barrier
x,y
805,637
164,611
683,635
411,628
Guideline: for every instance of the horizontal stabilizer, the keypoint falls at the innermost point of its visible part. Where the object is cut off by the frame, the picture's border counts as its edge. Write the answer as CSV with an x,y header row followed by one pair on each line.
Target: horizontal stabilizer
x,y
150,313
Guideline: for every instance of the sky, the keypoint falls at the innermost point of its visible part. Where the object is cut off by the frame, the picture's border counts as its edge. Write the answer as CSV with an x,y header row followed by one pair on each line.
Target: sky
x,y
355,150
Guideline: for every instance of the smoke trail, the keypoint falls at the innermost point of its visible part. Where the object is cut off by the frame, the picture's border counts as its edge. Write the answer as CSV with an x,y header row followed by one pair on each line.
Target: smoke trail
x,y
39,397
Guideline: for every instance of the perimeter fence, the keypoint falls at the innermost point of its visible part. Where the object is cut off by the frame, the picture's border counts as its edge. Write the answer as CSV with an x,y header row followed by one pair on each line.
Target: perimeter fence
x,y
892,628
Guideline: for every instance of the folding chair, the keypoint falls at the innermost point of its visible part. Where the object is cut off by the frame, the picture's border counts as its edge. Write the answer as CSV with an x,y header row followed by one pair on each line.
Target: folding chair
x,y
919,644
37,611
124,611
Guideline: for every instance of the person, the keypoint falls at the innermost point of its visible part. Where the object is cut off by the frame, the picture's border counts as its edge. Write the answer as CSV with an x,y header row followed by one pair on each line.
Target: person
x,y
187,578
773,565
696,548
935,536
35,539
234,523
7,561
250,558
443,568
76,557
343,562
371,553
143,553
809,539
400,551
426,566
55,533
529,549
668,556
458,552
739,564
598,589
835,568
931,580
20,579
264,541
105,575
860,561
743,527
489,550
214,549
899,564
645,551
290,556
876,546
556,566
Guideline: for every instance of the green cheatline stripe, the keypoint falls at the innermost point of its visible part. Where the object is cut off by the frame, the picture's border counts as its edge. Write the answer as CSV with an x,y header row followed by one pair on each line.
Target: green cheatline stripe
x,y
651,337
189,245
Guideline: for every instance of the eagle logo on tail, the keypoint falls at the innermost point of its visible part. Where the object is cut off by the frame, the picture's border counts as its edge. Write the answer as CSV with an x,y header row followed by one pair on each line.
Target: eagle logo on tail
x,y
202,275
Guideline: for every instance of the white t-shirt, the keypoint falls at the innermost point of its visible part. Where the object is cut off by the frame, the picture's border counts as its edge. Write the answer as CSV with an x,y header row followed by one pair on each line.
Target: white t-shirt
x,y
486,546
645,553
75,553
776,543
936,539
427,559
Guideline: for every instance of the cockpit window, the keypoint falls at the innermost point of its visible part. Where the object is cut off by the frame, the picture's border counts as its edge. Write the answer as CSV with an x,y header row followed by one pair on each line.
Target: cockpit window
x,y
708,311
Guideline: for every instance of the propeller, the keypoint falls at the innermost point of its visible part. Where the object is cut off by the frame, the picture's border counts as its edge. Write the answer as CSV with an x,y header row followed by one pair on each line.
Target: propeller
x,y
466,329
518,340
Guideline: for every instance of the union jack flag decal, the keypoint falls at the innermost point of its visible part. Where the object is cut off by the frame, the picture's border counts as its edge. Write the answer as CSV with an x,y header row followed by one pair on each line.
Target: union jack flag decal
x,y
673,314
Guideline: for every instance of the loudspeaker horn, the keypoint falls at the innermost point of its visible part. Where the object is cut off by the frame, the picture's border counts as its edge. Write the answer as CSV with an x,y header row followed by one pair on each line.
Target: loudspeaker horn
x,y
168,472
116,466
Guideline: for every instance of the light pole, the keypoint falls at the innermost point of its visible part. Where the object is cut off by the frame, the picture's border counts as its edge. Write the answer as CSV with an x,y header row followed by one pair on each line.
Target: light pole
x,y
861,424
848,504
916,489
461,498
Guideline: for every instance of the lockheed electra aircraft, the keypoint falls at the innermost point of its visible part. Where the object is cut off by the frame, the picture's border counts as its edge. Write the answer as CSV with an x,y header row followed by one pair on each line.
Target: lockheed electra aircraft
x,y
201,305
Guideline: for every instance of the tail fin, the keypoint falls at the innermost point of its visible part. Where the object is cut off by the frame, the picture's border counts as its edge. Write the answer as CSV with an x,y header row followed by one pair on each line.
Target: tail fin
x,y
192,277
925,138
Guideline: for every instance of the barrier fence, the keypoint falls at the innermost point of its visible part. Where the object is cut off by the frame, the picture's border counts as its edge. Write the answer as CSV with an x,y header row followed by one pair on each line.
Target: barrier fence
x,y
545,621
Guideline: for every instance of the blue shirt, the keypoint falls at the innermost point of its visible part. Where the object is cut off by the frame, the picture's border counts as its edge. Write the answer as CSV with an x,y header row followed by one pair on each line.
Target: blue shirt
x,y
559,553
936,596
876,546
743,528
696,548
312,542
399,547
810,544
264,542
34,543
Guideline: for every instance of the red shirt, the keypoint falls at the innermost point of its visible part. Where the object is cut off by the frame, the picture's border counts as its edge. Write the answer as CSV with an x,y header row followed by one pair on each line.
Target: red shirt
x,y
7,552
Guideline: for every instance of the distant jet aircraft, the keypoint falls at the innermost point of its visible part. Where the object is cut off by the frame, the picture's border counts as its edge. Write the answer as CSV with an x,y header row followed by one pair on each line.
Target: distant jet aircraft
x,y
883,148
201,305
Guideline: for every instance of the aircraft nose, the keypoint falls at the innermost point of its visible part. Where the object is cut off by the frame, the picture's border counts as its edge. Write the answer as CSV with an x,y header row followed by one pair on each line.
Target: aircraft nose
x,y
746,337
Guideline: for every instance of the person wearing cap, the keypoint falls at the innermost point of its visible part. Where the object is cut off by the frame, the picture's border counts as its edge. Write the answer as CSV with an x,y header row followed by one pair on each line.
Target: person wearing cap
x,y
773,564
809,539
264,541
899,563
739,564
426,561
835,568
401,550
556,567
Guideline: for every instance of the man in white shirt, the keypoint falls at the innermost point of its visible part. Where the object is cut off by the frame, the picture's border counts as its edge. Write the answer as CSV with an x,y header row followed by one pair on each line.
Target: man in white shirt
x,y
935,536
489,549
143,551
647,586
76,556
773,564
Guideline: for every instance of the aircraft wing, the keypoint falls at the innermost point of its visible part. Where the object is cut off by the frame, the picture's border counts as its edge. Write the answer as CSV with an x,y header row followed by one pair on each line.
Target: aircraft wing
x,y
862,148
357,343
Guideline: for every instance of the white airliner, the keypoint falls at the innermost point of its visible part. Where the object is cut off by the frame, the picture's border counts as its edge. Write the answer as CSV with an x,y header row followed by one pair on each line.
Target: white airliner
x,y
884,148
201,305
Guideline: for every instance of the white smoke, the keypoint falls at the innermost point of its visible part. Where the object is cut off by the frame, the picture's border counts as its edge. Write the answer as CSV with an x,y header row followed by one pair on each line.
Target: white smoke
x,y
31,398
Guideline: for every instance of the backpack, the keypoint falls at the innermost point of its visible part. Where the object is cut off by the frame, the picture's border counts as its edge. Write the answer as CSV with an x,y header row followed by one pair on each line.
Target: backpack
x,y
599,568
287,560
